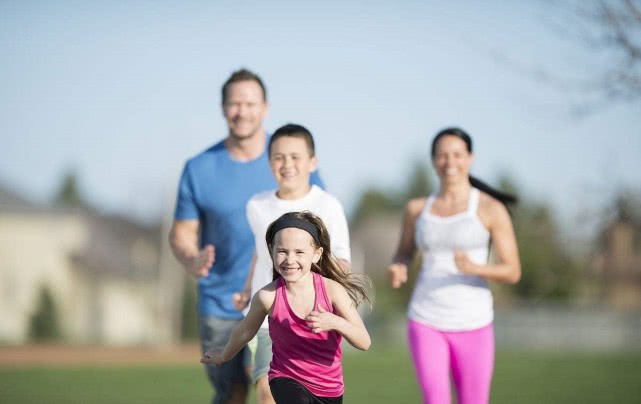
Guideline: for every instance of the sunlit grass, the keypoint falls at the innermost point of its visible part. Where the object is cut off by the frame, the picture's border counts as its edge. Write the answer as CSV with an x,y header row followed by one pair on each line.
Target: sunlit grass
x,y
381,375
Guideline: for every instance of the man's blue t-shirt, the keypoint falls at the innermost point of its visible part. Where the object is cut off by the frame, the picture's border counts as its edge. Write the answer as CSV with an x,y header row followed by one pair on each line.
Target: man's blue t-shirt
x,y
215,189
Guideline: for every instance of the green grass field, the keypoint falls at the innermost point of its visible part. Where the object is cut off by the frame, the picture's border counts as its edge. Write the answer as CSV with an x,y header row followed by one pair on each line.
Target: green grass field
x,y
378,376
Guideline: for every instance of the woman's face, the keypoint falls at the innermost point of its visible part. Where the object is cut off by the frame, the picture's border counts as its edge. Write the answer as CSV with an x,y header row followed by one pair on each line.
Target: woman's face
x,y
452,161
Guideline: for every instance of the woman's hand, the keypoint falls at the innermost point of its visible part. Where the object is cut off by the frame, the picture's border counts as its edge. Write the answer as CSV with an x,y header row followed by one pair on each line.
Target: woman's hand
x,y
464,264
397,273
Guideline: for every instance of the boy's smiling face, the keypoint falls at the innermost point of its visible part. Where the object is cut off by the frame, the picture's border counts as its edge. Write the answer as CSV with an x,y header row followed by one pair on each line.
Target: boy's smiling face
x,y
291,164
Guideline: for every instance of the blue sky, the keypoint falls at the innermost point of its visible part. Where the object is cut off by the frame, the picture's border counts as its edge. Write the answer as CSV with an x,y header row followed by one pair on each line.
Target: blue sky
x,y
124,92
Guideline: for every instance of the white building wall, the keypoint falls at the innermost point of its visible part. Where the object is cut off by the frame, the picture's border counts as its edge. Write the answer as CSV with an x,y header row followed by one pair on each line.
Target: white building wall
x,y
35,251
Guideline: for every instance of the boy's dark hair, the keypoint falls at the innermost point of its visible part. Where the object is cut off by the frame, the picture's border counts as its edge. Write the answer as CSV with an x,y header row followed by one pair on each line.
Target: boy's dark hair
x,y
294,130
243,75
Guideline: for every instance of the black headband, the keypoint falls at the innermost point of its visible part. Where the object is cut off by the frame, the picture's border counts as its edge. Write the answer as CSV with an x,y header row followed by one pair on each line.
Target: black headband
x,y
285,222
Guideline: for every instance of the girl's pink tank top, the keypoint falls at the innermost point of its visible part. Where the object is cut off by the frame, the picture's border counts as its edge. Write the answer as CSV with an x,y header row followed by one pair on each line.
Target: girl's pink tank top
x,y
314,360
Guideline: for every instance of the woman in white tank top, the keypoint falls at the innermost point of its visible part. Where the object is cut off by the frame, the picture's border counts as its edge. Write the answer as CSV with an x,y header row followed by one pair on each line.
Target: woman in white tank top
x,y
450,313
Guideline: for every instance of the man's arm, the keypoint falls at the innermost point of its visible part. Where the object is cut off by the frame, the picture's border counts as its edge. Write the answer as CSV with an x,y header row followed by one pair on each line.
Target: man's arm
x,y
315,179
183,239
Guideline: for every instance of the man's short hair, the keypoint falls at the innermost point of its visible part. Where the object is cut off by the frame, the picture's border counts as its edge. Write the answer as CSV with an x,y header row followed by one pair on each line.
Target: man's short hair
x,y
243,75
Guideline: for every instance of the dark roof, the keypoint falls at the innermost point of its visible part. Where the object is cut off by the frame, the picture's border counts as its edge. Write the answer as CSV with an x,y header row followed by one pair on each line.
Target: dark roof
x,y
10,200
109,249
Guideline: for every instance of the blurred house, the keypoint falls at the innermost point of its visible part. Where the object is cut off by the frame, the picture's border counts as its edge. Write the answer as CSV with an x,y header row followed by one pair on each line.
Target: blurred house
x,y
617,262
374,239
110,280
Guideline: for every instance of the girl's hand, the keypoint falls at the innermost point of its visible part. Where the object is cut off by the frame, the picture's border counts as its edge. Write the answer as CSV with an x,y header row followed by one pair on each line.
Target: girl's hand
x,y
464,264
241,299
397,273
213,357
321,320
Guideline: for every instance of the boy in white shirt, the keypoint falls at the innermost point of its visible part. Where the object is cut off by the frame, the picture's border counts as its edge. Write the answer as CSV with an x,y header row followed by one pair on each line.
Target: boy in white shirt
x,y
292,160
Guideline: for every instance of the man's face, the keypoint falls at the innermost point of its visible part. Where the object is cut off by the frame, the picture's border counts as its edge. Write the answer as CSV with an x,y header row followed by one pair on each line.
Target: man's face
x,y
244,109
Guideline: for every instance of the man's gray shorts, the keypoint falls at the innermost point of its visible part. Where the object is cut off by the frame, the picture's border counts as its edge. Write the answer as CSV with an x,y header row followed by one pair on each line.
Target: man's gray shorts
x,y
214,333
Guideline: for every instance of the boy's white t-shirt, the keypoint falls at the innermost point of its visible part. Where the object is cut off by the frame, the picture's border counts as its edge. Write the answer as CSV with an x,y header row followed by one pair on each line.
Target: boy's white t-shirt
x,y
265,207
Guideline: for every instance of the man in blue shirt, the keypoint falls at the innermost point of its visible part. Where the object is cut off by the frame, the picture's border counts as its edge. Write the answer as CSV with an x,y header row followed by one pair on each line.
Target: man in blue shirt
x,y
210,235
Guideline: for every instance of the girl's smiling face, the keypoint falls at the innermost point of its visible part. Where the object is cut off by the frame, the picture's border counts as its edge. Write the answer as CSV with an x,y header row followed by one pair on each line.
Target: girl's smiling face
x,y
294,253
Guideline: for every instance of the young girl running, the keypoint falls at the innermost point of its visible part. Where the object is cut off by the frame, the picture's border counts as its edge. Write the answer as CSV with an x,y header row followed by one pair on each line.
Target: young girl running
x,y
311,306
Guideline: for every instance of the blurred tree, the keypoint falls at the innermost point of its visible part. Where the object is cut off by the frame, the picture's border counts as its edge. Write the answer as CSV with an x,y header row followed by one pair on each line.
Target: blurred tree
x,y
374,200
43,324
548,268
627,207
189,316
613,27
419,182
611,31
68,193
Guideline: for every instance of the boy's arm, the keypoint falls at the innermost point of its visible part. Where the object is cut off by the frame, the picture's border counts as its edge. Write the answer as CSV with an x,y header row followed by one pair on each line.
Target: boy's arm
x,y
345,319
242,334
340,238
241,299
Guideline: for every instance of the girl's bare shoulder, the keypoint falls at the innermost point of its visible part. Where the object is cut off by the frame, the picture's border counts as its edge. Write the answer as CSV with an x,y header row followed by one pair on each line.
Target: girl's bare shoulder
x,y
334,289
267,294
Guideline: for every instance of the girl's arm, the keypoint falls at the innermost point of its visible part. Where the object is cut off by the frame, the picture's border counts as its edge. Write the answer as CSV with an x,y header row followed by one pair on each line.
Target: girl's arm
x,y
397,271
508,267
242,333
345,319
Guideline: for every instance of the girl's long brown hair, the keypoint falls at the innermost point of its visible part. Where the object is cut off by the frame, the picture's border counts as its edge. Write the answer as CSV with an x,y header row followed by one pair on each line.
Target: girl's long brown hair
x,y
356,285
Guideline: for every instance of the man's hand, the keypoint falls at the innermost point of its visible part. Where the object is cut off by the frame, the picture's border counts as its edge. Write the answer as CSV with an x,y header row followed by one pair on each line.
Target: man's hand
x,y
241,299
397,273
213,357
199,265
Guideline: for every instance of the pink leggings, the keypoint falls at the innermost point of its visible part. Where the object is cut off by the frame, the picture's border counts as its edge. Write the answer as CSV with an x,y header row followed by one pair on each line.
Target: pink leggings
x,y
468,354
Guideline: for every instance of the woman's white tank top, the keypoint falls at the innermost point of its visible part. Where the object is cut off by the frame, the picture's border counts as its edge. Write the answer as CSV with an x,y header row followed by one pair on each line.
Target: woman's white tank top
x,y
443,297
